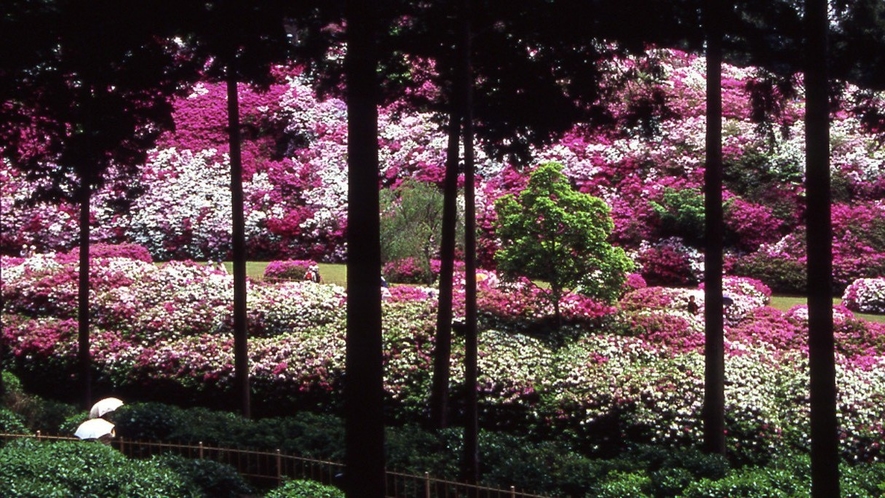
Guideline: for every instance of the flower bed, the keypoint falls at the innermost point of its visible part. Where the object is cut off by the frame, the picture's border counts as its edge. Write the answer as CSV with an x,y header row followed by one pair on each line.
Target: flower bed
x,y
631,374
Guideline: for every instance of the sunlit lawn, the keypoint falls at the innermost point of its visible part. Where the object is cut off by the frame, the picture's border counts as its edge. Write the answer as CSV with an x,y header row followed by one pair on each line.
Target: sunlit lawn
x,y
337,274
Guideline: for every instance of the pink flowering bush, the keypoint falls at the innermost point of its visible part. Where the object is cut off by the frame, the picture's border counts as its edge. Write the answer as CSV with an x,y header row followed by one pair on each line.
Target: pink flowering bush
x,y
406,271
670,262
290,269
865,295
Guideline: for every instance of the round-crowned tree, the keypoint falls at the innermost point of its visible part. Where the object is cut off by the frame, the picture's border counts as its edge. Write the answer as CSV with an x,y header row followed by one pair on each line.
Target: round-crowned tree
x,y
553,233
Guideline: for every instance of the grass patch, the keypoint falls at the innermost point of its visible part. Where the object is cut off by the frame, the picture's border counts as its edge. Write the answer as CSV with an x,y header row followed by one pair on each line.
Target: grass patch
x,y
784,303
331,273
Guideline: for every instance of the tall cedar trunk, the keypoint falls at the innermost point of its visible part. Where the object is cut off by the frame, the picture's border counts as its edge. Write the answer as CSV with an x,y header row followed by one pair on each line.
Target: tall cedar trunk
x,y
714,355
439,393
85,360
822,366
363,390
471,372
238,233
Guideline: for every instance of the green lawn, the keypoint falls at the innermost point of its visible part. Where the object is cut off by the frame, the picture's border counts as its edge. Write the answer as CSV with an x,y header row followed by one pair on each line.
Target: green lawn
x,y
330,273
784,303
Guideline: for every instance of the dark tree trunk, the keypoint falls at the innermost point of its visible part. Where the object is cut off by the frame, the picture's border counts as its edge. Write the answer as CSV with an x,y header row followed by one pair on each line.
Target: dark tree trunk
x,y
714,355
471,374
363,389
85,359
439,393
822,366
238,233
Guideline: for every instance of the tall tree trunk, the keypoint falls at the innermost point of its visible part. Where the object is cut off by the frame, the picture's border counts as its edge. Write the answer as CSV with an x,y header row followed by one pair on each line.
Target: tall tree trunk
x,y
714,355
238,233
363,389
822,366
471,374
439,393
85,359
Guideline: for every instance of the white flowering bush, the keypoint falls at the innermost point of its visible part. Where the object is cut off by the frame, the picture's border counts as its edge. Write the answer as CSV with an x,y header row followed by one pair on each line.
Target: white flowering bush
x,y
865,295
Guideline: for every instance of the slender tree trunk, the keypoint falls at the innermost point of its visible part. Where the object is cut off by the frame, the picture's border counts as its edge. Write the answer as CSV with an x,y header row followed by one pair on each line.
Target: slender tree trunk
x,y
471,423
363,389
714,355
822,366
439,394
85,359
241,340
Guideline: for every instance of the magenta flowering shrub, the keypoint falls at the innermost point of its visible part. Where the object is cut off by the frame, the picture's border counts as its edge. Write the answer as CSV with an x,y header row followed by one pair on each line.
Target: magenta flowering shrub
x,y
406,271
41,286
669,262
865,295
633,282
750,225
100,250
290,269
771,328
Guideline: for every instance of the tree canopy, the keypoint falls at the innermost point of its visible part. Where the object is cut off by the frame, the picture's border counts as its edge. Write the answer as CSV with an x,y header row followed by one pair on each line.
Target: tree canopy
x,y
553,233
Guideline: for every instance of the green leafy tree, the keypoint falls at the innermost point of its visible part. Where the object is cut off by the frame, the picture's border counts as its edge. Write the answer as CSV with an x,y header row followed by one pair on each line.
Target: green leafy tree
x,y
411,223
682,214
553,233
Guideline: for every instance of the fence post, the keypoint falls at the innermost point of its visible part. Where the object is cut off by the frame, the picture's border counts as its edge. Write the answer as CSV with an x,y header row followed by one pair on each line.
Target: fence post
x,y
201,450
122,445
427,485
279,468
512,491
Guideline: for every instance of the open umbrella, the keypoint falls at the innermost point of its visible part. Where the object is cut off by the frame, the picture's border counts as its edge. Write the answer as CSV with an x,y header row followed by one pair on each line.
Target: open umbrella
x,y
95,428
107,405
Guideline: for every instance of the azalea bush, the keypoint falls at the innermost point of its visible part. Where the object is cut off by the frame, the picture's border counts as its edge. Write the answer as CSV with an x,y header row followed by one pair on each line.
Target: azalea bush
x,y
865,295
290,269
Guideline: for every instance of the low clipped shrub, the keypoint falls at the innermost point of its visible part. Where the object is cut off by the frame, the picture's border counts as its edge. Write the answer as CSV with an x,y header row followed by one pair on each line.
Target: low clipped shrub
x,y
305,489
30,468
211,478
10,423
291,269
96,251
781,272
35,413
307,434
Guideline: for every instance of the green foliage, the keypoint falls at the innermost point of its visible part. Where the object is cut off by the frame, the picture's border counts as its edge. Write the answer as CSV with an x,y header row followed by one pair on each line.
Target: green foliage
x,y
305,489
29,468
35,412
306,434
10,423
411,223
780,273
619,484
553,233
682,215
209,477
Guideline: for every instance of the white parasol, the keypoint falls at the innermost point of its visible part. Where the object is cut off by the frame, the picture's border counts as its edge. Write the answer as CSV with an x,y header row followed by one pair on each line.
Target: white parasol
x,y
107,405
95,428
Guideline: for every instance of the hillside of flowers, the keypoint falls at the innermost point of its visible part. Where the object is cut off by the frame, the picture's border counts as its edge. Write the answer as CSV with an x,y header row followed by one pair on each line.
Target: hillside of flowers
x,y
650,173
614,376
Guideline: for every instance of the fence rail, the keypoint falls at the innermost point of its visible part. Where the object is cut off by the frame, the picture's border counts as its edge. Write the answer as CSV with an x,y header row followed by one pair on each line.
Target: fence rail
x,y
272,468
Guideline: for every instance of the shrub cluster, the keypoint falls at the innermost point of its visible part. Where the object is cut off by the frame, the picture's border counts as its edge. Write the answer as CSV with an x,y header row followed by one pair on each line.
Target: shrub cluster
x,y
609,377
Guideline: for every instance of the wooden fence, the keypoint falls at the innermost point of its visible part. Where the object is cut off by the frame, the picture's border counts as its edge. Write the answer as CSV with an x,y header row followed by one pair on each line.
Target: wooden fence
x,y
268,469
